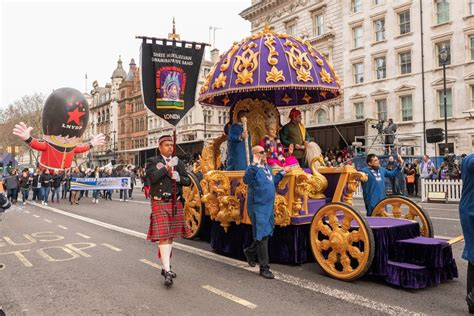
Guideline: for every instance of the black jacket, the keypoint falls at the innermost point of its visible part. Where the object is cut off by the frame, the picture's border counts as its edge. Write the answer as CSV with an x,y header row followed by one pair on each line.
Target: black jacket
x,y
24,182
46,180
36,178
160,179
57,178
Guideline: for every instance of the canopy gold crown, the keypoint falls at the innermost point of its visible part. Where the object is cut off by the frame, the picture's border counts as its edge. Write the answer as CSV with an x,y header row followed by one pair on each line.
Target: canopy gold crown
x,y
267,28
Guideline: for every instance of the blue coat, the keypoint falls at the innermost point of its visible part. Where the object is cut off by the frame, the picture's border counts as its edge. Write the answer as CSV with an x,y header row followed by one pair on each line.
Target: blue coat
x,y
466,207
236,156
261,187
374,187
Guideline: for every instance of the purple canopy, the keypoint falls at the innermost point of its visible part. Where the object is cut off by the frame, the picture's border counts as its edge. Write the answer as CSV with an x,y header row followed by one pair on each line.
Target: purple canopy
x,y
271,66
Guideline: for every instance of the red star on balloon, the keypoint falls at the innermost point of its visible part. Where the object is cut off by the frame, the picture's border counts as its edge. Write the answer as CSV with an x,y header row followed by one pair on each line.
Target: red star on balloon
x,y
75,116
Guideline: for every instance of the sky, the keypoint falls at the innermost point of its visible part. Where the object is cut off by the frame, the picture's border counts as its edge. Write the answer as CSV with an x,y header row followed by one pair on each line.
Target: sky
x,y
49,45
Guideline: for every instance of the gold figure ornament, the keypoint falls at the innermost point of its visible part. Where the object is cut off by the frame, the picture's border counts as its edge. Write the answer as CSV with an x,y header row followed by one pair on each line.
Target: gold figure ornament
x,y
246,64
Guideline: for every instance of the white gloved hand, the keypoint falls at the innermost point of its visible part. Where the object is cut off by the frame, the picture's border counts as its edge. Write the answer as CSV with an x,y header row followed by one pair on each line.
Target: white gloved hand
x,y
173,162
22,131
176,176
98,140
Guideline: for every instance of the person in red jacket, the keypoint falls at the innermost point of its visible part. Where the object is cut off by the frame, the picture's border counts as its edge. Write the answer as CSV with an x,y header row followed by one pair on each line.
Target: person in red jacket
x,y
64,120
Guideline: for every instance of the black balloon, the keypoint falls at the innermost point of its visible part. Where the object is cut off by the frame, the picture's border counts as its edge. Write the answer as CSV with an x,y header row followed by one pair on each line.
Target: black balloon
x,y
65,113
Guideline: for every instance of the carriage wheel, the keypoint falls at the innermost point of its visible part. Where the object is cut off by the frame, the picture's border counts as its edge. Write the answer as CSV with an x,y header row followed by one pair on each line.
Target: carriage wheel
x,y
342,241
193,208
402,207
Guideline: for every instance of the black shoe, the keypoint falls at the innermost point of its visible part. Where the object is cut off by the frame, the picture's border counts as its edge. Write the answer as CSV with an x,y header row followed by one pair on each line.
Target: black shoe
x,y
470,302
173,274
250,260
168,279
266,273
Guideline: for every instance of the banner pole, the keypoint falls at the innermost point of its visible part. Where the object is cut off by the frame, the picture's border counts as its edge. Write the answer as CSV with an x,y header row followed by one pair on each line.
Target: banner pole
x,y
174,201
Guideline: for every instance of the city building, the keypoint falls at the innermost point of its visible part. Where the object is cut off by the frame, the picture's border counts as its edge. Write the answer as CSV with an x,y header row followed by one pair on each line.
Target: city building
x,y
387,68
104,116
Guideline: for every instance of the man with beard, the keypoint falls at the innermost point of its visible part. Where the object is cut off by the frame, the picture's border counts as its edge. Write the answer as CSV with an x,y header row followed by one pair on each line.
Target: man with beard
x,y
374,187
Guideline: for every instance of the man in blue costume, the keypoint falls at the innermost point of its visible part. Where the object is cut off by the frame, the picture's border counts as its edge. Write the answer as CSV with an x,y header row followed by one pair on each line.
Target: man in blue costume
x,y
236,153
466,214
374,187
260,200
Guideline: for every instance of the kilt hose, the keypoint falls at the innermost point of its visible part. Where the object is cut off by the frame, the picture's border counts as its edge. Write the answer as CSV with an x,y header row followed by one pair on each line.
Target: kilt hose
x,y
163,225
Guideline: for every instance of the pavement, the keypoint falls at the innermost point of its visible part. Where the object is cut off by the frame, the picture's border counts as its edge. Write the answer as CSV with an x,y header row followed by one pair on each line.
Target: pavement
x,y
93,259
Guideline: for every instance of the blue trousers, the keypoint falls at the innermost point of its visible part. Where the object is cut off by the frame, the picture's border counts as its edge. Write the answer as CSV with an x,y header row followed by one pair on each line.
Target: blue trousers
x,y
45,193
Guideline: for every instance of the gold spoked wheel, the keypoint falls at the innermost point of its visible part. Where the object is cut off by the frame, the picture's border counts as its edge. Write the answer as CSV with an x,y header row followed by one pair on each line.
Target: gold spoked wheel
x,y
342,241
402,207
193,207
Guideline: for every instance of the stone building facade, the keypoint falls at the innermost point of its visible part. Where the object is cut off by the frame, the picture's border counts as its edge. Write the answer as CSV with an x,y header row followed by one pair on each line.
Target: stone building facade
x,y
104,116
319,22
376,48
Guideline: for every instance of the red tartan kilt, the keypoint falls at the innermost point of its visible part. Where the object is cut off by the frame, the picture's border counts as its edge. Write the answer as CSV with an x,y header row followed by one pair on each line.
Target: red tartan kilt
x,y
163,225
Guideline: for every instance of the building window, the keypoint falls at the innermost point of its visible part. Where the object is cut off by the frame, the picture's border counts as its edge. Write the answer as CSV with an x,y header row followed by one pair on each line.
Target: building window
x,y
322,116
291,28
356,6
472,95
404,20
377,2
358,69
318,24
382,109
379,26
357,33
405,63
447,44
471,46
407,108
380,69
471,7
359,110
472,143
449,102
442,11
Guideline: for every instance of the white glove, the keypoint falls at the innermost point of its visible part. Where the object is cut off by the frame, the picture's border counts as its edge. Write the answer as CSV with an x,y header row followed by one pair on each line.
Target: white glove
x,y
176,176
98,140
173,162
22,131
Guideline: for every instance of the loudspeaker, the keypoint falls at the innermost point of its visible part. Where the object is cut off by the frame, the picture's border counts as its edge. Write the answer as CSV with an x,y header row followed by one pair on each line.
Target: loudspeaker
x,y
434,135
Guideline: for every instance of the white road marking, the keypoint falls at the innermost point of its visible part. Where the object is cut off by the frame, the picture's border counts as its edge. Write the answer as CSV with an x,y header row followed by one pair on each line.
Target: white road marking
x,y
47,220
61,226
343,295
229,296
141,202
36,216
150,263
83,236
27,212
111,247
445,219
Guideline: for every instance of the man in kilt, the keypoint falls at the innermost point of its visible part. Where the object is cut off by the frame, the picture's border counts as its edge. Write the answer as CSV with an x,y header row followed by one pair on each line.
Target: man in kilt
x,y
166,223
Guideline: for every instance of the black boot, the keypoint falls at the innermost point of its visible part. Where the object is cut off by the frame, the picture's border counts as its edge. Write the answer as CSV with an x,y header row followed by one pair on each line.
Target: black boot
x,y
250,255
266,273
173,274
168,279
469,288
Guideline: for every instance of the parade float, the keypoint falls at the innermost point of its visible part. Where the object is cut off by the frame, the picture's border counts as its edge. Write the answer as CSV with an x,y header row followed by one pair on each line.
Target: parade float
x,y
314,216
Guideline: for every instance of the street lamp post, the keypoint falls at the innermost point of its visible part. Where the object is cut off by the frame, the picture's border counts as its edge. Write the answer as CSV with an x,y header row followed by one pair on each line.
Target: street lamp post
x,y
443,56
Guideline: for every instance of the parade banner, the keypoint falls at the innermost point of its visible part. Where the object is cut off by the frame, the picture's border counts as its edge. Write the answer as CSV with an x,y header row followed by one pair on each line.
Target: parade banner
x,y
169,74
115,183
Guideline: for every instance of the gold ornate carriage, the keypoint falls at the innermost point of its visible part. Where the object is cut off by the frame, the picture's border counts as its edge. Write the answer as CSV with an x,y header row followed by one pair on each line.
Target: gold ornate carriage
x,y
259,74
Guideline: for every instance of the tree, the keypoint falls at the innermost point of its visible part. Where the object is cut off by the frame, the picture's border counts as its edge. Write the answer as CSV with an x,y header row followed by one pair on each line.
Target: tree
x,y
28,109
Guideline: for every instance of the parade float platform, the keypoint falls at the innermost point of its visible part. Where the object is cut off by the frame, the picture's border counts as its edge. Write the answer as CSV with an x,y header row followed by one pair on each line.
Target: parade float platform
x,y
401,258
